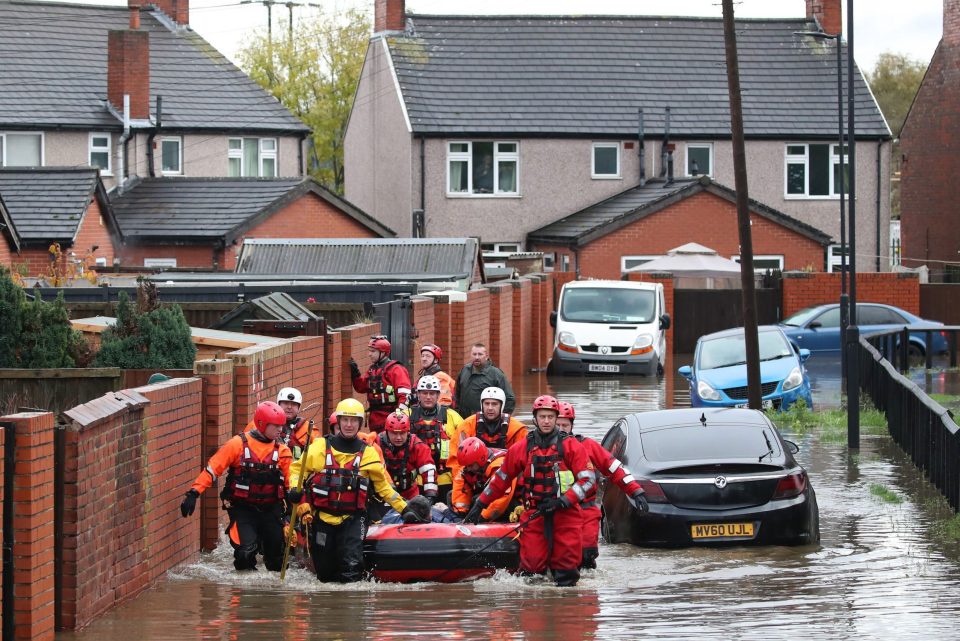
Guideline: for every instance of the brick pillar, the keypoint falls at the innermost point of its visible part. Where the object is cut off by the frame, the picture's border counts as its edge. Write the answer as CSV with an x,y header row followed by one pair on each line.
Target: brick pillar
x,y
33,545
441,334
501,325
522,297
217,375
307,365
333,375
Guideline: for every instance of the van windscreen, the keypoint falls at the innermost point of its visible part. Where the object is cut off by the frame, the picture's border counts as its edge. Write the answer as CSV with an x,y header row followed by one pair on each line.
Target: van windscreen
x,y
607,305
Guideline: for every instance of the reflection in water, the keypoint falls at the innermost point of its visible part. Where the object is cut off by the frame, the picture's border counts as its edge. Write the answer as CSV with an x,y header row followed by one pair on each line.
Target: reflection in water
x,y
877,574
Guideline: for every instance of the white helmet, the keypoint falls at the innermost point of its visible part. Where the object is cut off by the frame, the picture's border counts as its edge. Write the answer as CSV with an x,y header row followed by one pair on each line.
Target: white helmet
x,y
494,393
290,394
428,383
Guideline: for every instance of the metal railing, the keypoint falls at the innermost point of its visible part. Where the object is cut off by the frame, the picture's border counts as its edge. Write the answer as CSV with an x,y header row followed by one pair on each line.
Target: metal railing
x,y
923,428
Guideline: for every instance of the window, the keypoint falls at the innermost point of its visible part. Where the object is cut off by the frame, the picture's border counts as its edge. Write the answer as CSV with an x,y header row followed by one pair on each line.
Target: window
x,y
629,262
171,155
830,318
835,259
699,159
159,262
482,168
549,261
874,315
764,262
606,160
252,157
813,171
100,152
21,149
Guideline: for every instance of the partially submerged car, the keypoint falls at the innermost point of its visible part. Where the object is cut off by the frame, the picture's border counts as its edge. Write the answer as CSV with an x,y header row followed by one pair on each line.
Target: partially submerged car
x,y
711,476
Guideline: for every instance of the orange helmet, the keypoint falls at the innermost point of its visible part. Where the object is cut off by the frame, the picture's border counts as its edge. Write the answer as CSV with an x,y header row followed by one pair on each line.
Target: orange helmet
x,y
566,410
268,413
379,343
472,450
433,349
397,423
546,402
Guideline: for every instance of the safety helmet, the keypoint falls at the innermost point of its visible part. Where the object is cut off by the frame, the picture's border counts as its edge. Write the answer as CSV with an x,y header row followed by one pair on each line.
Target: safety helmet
x,y
546,402
428,383
433,349
472,450
268,413
494,393
379,343
290,394
332,420
350,407
397,423
566,410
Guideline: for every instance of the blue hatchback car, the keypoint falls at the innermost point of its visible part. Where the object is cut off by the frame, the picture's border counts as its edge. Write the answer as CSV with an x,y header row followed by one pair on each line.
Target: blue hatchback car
x,y
718,377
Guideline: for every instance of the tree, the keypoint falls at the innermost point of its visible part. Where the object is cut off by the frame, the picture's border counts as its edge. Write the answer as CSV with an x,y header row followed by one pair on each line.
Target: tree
x,y
315,75
34,334
11,322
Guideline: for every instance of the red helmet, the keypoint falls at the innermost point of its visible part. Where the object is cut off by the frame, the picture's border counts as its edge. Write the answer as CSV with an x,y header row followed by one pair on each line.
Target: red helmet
x,y
332,420
268,413
546,402
472,450
397,423
379,343
566,410
433,349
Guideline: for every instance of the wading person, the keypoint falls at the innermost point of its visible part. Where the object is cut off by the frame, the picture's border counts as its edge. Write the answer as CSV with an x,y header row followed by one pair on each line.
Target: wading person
x,y
258,469
491,425
479,464
435,424
386,383
476,376
430,356
295,430
408,458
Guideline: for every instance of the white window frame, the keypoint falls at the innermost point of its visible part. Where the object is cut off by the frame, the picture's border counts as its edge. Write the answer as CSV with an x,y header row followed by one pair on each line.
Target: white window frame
x,y
835,259
593,161
762,270
646,258
104,171
261,154
269,154
160,262
179,141
467,156
686,157
805,161
5,146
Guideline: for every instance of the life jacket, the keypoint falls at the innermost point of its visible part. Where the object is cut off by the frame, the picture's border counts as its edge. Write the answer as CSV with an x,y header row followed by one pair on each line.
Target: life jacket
x,y
382,394
255,481
338,489
545,474
396,460
478,481
499,438
432,432
288,436
591,500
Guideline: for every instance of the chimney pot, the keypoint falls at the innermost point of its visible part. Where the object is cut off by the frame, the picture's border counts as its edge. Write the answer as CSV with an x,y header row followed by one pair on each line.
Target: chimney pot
x,y
828,13
388,15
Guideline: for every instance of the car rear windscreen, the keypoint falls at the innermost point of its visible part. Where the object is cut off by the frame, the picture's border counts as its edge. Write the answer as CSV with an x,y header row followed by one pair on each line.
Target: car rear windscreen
x,y
698,443
607,305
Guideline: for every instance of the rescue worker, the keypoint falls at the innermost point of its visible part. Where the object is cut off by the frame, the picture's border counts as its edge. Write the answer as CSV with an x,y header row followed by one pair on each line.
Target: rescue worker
x,y
491,425
338,472
476,376
479,463
294,432
386,383
258,473
554,480
408,458
603,461
430,356
435,424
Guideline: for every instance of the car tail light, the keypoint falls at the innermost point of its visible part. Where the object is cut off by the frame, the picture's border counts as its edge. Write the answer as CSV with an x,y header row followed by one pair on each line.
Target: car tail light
x,y
790,486
652,491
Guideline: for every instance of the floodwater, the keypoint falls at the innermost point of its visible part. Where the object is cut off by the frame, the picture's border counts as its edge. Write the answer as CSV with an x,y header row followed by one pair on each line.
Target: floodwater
x,y
879,572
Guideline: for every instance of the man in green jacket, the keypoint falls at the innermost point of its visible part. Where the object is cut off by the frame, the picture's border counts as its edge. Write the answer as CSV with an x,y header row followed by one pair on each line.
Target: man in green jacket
x,y
475,377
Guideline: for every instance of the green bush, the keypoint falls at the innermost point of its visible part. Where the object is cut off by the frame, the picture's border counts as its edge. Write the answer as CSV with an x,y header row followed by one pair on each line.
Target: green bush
x,y
34,334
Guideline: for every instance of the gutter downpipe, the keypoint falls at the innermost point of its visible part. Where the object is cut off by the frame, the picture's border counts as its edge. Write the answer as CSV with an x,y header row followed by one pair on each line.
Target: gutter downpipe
x,y
423,186
153,134
641,152
122,144
879,147
303,137
576,261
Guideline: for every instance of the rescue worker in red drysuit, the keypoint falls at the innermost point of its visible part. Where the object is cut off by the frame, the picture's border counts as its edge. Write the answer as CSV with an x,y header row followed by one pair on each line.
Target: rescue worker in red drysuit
x,y
491,425
386,383
554,479
407,457
258,473
294,432
479,463
430,356
602,461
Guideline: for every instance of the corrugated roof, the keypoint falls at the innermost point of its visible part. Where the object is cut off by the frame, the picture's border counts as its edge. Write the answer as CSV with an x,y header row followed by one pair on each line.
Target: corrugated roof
x,y
47,204
549,75
281,306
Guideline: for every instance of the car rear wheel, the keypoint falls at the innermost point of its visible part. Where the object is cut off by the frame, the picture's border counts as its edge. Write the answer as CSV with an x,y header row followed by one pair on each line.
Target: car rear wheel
x,y
915,351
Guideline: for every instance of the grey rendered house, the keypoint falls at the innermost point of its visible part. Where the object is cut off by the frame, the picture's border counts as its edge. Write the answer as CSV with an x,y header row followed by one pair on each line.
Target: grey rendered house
x,y
494,126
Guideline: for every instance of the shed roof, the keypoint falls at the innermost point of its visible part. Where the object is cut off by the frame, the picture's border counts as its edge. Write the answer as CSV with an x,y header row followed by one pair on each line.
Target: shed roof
x,y
47,204
278,306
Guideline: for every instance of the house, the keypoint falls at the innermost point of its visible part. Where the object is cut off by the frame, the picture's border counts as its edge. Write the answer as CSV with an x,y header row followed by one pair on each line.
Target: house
x,y
498,126
929,190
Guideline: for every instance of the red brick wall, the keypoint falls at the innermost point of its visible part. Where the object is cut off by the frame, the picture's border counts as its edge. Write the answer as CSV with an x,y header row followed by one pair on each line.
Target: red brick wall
x,y
307,371
203,256
388,15
423,329
217,376
522,327
354,345
128,71
441,334
803,289
259,372
6,252
827,12
469,324
334,373
501,326
94,231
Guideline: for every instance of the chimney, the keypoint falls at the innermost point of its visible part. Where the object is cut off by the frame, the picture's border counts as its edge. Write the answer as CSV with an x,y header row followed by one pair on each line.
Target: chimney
x,y
388,15
828,13
951,23
128,67
176,10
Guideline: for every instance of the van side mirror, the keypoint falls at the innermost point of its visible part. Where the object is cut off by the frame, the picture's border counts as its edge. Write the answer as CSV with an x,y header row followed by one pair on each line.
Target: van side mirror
x,y
665,321
553,319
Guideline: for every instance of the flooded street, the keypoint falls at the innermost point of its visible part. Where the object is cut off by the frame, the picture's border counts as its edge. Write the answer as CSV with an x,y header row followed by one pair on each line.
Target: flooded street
x,y
880,572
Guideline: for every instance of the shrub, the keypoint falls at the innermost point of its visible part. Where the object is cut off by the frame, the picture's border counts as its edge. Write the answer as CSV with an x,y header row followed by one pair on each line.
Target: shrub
x,y
34,334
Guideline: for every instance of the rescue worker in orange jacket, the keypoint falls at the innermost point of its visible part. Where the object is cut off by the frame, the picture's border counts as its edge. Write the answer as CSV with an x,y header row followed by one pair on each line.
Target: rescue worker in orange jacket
x,y
491,425
407,458
554,479
602,461
338,473
258,473
294,432
430,356
386,383
479,463
435,424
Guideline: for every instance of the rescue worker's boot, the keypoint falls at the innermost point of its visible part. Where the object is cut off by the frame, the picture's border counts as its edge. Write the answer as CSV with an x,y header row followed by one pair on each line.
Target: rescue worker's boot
x,y
589,561
565,578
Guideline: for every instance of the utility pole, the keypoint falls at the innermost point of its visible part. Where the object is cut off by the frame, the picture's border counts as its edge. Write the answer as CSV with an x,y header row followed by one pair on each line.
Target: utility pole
x,y
269,5
853,332
750,337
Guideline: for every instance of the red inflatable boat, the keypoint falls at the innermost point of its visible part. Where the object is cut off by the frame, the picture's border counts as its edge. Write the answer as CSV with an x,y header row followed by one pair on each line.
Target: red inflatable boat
x,y
444,552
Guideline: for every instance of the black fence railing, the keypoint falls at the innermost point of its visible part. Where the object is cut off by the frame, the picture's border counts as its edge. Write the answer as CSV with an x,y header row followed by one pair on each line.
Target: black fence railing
x,y
923,428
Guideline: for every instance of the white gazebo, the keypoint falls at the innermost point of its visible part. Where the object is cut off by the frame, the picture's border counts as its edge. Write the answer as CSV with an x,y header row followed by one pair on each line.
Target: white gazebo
x,y
695,267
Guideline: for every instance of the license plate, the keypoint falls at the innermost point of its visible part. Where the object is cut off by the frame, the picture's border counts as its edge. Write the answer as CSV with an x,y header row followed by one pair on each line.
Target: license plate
x,y
722,531
766,404
596,367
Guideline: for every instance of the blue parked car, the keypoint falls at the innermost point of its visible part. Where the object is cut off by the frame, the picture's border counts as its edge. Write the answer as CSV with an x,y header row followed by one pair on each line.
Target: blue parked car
x,y
818,328
718,377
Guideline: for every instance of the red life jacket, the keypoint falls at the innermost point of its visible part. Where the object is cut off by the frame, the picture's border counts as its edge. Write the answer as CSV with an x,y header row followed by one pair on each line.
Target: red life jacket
x,y
431,431
591,500
545,474
382,394
397,460
478,481
255,481
338,489
499,438
288,436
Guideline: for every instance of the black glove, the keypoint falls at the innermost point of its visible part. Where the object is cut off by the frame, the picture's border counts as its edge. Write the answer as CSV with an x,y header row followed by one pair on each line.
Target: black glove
x,y
553,504
354,368
294,495
474,515
189,503
639,502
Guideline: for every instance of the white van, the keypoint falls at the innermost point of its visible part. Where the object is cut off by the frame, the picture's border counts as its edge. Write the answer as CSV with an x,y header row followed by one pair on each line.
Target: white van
x,y
609,327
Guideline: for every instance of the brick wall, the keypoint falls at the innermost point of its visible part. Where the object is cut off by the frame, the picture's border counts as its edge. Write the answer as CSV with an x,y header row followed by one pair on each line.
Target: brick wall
x,y
421,317
334,373
307,354
7,253
501,338
354,345
441,334
803,289
94,231
259,373
200,256
469,324
217,376
522,326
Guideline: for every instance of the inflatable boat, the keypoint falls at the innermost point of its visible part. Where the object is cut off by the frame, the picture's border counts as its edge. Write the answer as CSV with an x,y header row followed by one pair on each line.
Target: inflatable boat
x,y
444,552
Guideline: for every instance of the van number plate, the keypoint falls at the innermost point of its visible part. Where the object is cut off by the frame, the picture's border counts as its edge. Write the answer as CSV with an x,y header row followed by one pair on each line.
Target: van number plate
x,y
597,367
